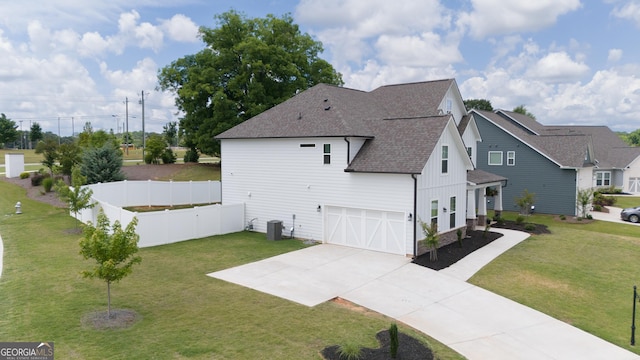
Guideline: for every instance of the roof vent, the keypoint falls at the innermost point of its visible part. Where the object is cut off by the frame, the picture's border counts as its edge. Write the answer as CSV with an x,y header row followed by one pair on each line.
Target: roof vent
x,y
327,108
325,100
299,115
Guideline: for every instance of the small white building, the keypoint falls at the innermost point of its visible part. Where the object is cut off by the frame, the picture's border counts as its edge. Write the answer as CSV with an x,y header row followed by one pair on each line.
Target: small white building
x,y
356,168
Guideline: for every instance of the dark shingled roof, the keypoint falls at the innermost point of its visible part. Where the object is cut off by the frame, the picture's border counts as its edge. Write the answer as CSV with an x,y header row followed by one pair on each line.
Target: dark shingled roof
x,y
567,145
479,177
400,145
401,123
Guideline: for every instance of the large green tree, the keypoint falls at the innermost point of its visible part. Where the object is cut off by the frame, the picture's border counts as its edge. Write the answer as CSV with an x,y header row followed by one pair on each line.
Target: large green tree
x,y
521,109
247,67
102,165
8,130
35,134
478,104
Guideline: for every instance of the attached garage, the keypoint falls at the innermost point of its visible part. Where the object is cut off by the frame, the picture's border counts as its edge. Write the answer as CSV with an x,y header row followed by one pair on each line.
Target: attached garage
x,y
377,230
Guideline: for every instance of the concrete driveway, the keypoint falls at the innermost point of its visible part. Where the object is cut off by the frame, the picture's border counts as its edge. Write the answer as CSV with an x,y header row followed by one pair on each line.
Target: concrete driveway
x,y
476,323
613,215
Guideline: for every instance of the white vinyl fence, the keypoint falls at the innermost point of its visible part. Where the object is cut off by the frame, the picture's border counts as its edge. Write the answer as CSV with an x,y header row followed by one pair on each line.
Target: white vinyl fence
x,y
168,226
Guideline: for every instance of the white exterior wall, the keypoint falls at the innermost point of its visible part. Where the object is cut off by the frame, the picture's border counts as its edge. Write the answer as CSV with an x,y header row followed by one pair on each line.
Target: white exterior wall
x,y
585,178
276,178
457,107
633,171
471,138
433,185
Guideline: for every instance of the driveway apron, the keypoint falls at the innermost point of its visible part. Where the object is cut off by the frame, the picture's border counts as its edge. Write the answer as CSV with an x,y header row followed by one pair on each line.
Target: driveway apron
x,y
474,322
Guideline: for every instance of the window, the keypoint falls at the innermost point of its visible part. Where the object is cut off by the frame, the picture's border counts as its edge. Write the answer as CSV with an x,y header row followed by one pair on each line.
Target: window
x,y
434,212
495,157
452,212
327,153
603,178
511,158
308,145
449,106
445,159
470,151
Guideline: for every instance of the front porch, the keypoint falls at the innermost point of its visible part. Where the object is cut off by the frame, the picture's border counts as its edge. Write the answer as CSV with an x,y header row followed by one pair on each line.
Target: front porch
x,y
482,188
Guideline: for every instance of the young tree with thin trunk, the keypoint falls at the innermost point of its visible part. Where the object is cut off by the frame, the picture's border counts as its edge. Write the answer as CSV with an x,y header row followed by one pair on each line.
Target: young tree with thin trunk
x,y
77,197
113,250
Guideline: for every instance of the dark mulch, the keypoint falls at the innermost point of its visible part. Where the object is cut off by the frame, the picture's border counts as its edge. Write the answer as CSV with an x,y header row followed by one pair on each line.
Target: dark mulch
x,y
409,348
452,253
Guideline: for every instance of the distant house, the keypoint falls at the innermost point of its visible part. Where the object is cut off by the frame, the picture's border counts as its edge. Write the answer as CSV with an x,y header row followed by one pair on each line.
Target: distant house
x,y
357,168
554,162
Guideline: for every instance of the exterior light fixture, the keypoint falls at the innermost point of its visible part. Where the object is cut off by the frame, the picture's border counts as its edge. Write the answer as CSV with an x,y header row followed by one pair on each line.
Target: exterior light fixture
x,y
319,208
410,217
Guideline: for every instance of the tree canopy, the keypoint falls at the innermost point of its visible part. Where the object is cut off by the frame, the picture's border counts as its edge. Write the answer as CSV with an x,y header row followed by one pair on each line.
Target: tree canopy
x,y
478,104
521,109
8,130
247,67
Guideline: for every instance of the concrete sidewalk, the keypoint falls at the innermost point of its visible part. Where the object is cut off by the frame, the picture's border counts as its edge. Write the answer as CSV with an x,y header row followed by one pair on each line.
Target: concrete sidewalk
x,y
475,322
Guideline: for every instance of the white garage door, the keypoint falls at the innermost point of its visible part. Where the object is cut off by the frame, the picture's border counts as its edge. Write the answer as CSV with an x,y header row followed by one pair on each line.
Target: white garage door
x,y
366,229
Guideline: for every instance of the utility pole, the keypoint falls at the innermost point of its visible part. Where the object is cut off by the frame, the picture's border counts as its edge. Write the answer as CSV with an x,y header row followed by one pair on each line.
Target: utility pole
x,y
126,112
58,130
144,143
21,137
73,131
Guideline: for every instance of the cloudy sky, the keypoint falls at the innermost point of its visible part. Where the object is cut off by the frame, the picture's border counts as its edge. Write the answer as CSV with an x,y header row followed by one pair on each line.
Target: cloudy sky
x,y
567,61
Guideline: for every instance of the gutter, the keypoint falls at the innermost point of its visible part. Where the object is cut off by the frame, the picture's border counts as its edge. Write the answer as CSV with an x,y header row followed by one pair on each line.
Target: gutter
x,y
348,150
415,214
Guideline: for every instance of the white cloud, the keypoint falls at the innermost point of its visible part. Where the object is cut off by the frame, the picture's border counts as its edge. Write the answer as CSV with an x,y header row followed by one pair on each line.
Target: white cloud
x,y
614,55
373,75
180,28
495,17
630,10
557,67
424,50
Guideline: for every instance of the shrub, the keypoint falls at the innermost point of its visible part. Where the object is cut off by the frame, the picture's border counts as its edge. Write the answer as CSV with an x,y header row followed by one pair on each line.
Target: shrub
x,y
350,351
562,217
148,159
589,217
519,219
459,235
168,156
47,183
24,175
36,180
191,156
597,207
102,165
393,340
603,200
529,227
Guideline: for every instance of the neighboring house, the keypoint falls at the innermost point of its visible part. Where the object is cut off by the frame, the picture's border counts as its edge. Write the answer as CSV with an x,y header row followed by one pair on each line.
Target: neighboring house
x,y
554,162
357,168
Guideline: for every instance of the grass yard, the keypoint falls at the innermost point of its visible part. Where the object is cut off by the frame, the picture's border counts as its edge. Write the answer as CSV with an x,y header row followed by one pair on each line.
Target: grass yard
x,y
184,314
627,201
582,274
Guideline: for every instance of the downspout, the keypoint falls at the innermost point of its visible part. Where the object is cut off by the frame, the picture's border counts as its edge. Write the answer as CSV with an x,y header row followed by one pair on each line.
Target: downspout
x,y
348,149
415,214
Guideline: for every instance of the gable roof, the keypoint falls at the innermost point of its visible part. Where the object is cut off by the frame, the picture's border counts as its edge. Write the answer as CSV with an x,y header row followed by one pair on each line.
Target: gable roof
x,y
387,154
401,123
567,146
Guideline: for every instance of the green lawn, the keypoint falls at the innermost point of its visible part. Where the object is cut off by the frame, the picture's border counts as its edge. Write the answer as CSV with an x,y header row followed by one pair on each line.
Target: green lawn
x,y
184,313
627,201
582,274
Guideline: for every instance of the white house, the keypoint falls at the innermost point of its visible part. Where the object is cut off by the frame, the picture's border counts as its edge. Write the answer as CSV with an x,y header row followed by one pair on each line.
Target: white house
x,y
356,168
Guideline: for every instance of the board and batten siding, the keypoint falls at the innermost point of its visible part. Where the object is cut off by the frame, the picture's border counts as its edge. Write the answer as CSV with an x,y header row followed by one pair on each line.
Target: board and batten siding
x,y
554,187
279,178
434,185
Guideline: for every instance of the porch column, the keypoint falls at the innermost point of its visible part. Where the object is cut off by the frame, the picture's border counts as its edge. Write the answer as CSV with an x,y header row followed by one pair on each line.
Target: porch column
x,y
471,210
482,207
497,206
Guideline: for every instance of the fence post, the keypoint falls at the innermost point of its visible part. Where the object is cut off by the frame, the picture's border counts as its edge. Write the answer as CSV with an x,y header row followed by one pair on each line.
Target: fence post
x,y
633,318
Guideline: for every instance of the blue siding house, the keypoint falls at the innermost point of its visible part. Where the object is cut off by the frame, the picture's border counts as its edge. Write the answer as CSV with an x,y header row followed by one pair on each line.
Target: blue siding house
x,y
553,162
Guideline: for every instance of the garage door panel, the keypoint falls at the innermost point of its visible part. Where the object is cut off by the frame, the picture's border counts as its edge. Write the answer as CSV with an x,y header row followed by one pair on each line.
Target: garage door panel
x,y
366,229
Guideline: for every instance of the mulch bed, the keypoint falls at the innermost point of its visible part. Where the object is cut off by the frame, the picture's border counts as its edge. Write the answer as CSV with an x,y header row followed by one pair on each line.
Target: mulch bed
x,y
452,253
409,348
